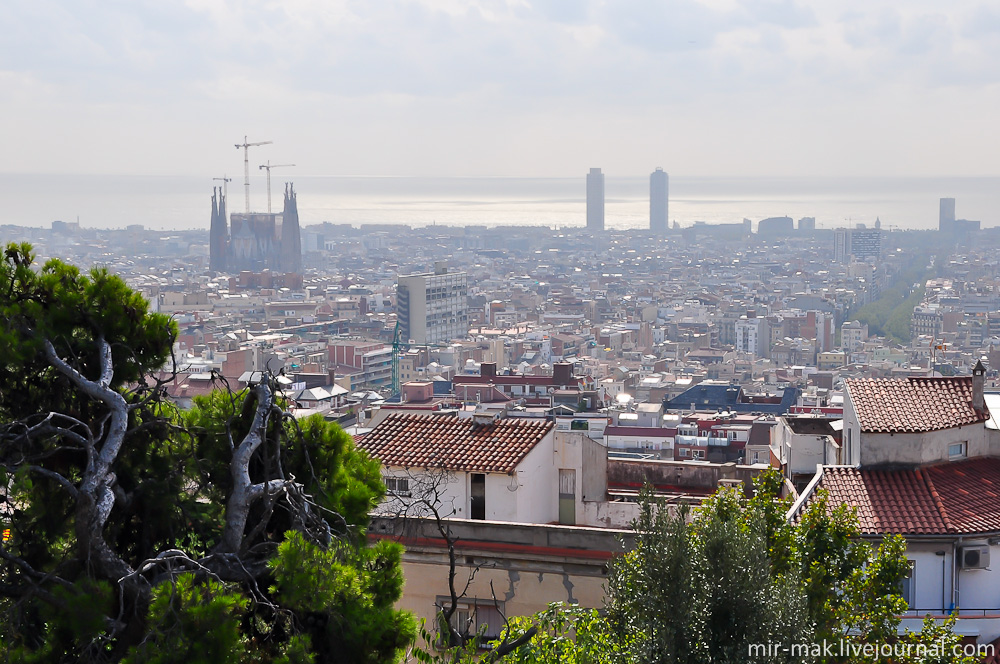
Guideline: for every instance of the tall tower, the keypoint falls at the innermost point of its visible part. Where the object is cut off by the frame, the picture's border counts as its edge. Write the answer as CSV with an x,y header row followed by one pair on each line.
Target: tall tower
x,y
658,184
946,219
291,240
219,233
595,200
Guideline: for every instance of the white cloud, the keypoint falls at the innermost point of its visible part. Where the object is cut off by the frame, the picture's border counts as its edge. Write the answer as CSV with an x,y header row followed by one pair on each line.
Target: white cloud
x,y
532,86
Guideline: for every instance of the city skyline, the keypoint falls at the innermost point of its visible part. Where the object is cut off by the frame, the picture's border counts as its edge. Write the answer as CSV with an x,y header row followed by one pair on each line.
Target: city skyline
x,y
181,202
722,87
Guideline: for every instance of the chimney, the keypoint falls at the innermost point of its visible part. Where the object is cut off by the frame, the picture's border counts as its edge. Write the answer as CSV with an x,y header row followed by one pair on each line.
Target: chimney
x,y
562,373
978,378
488,369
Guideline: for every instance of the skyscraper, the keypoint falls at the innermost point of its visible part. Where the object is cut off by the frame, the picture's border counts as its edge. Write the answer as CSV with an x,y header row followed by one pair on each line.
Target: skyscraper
x,y
946,219
595,200
658,184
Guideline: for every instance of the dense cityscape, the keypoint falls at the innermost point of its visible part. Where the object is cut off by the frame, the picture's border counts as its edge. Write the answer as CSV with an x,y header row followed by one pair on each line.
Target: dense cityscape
x,y
681,358
525,332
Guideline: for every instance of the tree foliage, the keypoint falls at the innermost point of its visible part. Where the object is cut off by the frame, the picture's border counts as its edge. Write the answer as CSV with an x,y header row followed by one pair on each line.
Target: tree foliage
x,y
227,533
717,585
734,581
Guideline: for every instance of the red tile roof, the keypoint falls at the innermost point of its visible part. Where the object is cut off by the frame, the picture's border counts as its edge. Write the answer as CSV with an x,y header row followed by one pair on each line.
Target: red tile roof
x,y
913,404
961,497
434,441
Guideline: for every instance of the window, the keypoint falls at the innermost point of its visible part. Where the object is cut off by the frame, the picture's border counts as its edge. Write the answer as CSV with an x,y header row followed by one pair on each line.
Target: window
x,y
473,616
397,486
699,454
907,587
957,450
478,497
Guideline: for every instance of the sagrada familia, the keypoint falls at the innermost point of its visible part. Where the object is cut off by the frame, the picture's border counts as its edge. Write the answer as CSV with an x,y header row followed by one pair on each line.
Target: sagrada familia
x,y
255,241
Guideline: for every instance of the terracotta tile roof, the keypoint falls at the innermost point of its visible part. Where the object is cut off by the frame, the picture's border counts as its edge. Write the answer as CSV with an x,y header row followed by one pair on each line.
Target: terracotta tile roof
x,y
913,404
434,441
961,497
969,492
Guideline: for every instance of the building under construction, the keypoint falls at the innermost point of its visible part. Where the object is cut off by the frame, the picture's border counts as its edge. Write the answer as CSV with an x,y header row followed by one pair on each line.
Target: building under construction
x,y
256,241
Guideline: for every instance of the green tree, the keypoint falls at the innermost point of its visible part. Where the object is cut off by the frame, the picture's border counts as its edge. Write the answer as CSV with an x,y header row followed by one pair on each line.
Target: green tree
x,y
702,587
228,533
711,586
724,582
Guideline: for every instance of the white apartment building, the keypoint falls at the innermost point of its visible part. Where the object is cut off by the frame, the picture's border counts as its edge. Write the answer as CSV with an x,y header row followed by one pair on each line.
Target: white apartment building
x,y
433,307
853,335
752,336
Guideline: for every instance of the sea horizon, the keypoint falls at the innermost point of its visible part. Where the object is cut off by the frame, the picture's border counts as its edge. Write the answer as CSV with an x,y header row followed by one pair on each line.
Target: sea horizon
x,y
184,202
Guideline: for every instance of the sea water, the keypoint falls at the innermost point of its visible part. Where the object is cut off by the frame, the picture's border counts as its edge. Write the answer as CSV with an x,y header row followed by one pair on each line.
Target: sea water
x,y
184,202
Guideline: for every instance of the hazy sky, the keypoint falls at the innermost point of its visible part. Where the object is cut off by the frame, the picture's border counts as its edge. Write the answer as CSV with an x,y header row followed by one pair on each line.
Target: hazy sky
x,y
493,87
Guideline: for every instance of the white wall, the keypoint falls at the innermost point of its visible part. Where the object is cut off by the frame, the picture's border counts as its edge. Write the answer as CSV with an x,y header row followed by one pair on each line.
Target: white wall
x,y
641,441
449,491
537,496
978,597
851,440
606,514
932,582
922,448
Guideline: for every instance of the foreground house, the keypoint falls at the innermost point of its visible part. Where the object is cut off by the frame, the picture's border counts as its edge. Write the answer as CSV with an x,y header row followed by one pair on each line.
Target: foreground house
x,y
949,514
488,467
922,462
916,420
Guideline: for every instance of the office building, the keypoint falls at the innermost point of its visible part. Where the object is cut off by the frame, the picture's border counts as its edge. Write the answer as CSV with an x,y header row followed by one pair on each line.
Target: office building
x,y
946,217
658,188
595,200
433,307
864,244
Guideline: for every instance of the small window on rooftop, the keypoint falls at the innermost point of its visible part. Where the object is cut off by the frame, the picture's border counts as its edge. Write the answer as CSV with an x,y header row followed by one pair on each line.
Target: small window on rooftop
x,y
957,450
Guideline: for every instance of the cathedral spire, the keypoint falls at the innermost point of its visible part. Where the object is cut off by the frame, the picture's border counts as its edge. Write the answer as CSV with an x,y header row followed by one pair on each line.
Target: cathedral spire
x,y
218,237
291,239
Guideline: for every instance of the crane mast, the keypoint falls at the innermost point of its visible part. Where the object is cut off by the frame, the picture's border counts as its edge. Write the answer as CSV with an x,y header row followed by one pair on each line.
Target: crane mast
x,y
246,166
269,166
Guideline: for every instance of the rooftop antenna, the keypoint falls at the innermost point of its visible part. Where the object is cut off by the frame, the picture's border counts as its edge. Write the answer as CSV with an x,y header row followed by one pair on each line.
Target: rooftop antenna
x,y
269,166
246,165
225,181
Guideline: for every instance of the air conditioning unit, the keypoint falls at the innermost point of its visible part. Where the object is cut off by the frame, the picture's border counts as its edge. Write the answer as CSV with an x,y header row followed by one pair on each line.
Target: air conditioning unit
x,y
976,556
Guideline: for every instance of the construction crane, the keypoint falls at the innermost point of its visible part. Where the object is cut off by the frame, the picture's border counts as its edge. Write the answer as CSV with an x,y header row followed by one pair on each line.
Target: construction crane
x,y
396,347
269,166
246,165
225,181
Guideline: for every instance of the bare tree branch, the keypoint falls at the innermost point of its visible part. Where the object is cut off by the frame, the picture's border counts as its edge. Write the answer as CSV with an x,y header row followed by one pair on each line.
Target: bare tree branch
x,y
52,475
238,506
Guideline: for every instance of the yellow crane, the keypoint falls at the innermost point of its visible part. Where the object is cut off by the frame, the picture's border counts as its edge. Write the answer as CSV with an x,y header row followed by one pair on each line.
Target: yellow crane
x,y
246,165
269,166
